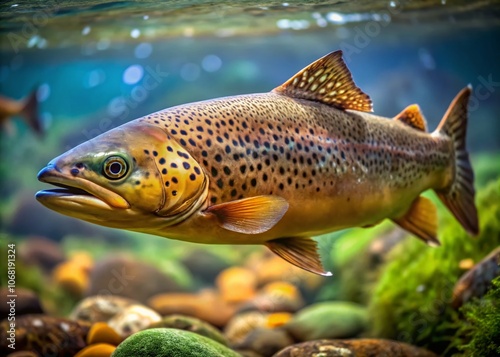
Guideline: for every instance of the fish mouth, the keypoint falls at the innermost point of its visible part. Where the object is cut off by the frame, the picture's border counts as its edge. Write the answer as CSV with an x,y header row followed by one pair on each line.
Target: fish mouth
x,y
75,193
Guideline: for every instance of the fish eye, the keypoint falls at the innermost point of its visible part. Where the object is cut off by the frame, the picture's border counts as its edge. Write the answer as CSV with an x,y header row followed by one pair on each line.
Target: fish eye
x,y
115,167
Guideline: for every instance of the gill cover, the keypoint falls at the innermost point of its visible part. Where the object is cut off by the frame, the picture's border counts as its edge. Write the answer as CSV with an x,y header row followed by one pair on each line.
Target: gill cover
x,y
184,182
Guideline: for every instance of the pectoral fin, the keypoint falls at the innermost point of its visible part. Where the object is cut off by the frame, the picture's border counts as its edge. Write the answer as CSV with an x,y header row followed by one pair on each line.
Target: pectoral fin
x,y
301,252
252,215
421,220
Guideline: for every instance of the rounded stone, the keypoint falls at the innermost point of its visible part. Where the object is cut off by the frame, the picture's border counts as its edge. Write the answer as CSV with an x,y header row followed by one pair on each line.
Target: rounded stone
x,y
168,342
353,348
132,319
333,319
191,324
131,278
100,308
45,335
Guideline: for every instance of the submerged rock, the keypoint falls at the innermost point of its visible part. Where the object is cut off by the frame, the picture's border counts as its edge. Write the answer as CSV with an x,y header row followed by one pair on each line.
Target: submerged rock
x,y
45,335
71,277
264,341
477,280
236,284
192,324
27,302
41,252
353,348
97,350
206,305
168,342
101,332
273,268
127,277
100,308
203,264
279,296
333,319
132,319
242,324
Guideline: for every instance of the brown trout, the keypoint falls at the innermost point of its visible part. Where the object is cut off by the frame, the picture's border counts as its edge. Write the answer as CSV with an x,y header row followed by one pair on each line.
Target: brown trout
x,y
26,109
274,168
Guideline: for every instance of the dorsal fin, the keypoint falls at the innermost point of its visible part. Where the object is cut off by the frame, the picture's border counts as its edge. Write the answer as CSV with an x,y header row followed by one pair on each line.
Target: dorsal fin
x,y
329,81
413,117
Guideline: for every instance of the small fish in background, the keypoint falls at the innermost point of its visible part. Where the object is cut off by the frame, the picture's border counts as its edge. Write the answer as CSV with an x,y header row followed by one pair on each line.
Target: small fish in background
x,y
477,281
273,168
27,109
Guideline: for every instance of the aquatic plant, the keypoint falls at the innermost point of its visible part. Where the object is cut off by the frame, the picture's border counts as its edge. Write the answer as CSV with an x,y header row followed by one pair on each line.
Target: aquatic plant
x,y
479,334
411,302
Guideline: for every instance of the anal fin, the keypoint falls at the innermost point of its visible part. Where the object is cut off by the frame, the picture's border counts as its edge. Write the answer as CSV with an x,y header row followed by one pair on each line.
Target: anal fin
x,y
421,220
251,215
299,251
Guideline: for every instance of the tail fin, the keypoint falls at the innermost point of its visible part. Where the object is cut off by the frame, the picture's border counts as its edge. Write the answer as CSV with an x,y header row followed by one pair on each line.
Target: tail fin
x,y
459,195
30,113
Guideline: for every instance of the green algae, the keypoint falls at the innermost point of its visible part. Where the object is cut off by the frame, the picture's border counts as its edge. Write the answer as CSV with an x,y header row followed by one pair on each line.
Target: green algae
x,y
163,342
479,335
411,302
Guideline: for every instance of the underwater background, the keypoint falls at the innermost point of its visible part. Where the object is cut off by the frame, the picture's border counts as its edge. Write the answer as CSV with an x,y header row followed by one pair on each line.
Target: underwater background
x,y
96,65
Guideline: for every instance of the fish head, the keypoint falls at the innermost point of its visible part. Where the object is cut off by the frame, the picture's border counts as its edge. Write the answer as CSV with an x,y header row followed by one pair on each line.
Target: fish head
x,y
133,177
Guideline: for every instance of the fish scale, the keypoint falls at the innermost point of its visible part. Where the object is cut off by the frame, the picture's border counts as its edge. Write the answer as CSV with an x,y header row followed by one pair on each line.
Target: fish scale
x,y
273,168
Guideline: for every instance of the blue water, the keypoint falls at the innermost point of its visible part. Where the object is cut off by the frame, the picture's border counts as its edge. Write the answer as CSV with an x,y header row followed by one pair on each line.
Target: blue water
x,y
100,66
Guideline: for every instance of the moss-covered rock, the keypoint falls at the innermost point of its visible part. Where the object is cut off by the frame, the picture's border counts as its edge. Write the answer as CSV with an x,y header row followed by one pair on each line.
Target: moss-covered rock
x,y
192,324
334,319
167,342
412,301
479,334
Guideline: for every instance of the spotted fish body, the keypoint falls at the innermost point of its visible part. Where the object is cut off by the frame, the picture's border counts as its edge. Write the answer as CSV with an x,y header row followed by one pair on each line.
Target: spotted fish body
x,y
274,168
330,163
